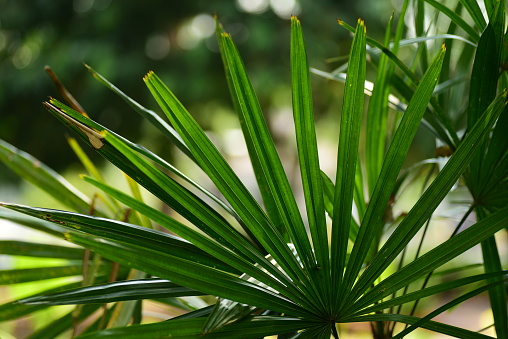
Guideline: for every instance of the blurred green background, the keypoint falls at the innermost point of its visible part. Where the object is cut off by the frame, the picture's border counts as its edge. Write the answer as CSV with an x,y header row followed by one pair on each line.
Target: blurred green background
x,y
123,40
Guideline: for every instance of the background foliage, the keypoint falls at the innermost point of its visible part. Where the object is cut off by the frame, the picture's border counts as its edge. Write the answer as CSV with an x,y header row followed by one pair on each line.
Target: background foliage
x,y
114,36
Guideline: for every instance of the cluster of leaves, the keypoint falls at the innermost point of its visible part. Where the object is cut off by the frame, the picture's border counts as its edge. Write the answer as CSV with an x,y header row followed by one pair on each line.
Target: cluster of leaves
x,y
274,272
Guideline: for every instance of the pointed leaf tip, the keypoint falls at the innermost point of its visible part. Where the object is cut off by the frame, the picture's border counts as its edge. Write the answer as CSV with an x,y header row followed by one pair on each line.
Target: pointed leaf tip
x,y
148,75
90,69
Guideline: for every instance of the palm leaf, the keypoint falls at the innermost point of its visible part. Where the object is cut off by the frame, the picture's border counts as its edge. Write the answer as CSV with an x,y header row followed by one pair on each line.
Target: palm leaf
x,y
348,156
164,256
308,152
391,167
115,291
266,154
149,115
203,242
425,206
224,178
434,258
253,327
429,291
268,200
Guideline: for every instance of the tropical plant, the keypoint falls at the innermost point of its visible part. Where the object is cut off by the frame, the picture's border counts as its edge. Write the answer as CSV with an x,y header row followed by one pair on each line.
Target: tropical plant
x,y
274,271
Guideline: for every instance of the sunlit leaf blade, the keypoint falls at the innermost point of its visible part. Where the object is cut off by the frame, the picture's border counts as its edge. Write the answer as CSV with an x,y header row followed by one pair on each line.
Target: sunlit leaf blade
x,y
32,170
151,116
435,326
308,151
224,178
227,311
328,191
268,200
115,291
29,249
253,327
427,204
394,159
33,223
59,110
267,155
175,195
377,116
111,229
436,257
205,243
162,255
191,274
457,19
349,138
204,218
187,204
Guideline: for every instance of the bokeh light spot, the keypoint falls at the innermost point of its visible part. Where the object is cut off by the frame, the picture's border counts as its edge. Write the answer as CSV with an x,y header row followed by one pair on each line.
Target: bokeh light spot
x,y
285,8
22,57
203,26
3,40
252,6
157,47
82,6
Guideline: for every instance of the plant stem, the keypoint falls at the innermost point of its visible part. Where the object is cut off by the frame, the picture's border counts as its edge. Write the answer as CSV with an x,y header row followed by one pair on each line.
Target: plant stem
x,y
335,333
